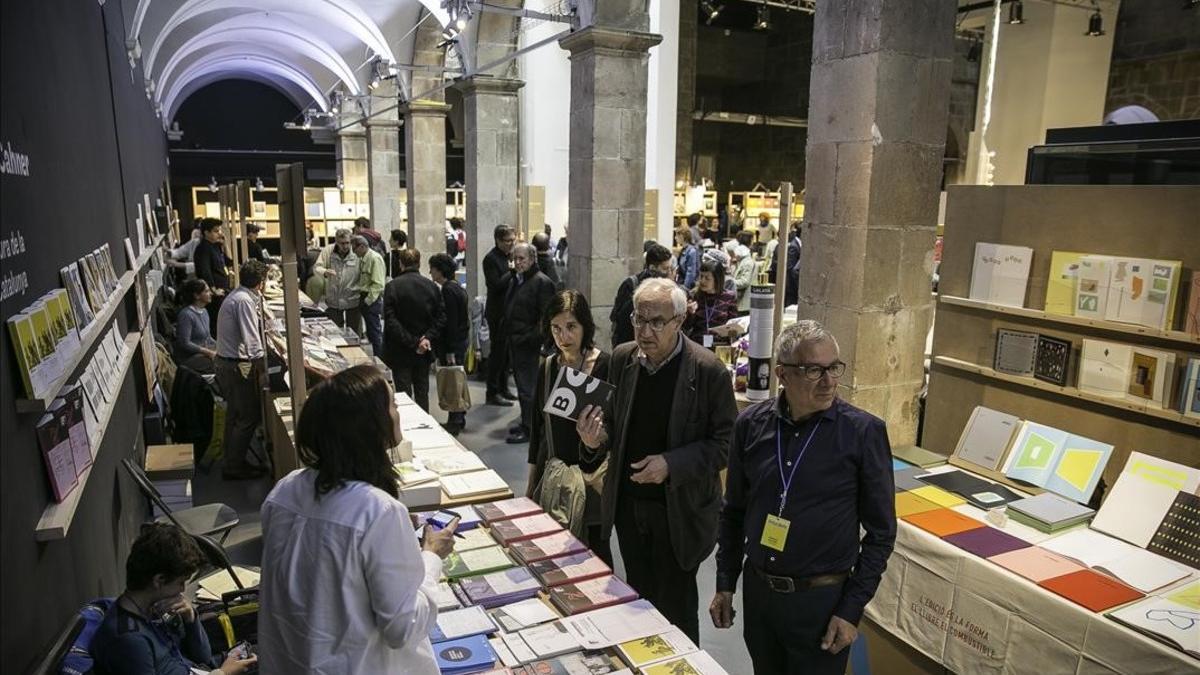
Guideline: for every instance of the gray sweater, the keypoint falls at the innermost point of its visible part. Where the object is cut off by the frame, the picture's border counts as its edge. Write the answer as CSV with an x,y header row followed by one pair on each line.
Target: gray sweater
x,y
192,332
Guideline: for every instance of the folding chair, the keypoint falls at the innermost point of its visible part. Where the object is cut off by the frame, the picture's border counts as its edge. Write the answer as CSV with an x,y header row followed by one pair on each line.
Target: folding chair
x,y
208,520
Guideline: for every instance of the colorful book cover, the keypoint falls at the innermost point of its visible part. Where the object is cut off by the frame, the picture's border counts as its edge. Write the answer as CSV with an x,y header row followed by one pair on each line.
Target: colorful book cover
x,y
942,522
1092,286
465,655
500,588
584,596
696,663
43,333
1092,590
28,352
655,648
507,509
66,316
55,442
548,546
477,561
1061,282
569,568
1143,291
1150,374
1192,324
70,407
1034,453
1053,360
508,531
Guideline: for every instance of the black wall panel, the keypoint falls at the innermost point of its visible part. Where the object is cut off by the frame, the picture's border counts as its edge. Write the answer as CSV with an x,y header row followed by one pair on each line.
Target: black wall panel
x,y
71,104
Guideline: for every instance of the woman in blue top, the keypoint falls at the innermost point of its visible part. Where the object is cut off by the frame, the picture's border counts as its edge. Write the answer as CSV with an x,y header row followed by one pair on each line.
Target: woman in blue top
x,y
194,344
689,259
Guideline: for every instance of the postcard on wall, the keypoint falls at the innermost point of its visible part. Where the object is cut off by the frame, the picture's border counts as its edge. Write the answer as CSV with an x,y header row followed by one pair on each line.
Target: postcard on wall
x,y
1000,273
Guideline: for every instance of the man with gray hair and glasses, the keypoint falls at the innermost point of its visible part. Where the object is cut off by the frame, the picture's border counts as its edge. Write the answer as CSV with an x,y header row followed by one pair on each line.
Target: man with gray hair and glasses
x,y
807,470
667,438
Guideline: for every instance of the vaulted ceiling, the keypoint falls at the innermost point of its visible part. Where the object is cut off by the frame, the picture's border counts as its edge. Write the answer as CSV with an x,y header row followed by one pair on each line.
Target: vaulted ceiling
x,y
307,49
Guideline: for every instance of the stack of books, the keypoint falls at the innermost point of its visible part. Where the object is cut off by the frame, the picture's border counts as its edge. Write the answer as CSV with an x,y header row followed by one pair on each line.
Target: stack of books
x,y
550,546
584,596
500,588
1048,512
569,568
464,655
518,529
507,509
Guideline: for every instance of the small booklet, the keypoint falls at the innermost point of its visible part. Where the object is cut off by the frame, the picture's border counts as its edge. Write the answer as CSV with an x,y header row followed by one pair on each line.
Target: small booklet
x,y
573,391
584,596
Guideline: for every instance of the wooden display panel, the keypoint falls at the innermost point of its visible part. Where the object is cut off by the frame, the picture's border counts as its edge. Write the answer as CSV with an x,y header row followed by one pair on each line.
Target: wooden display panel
x,y
1146,221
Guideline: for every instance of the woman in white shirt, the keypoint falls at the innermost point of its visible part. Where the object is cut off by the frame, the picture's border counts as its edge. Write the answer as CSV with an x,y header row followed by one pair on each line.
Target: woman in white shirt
x,y
345,586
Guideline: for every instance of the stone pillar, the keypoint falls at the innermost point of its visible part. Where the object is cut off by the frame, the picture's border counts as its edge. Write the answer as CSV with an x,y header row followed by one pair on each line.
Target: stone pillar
x,y
877,126
607,162
492,112
688,29
383,161
351,152
425,174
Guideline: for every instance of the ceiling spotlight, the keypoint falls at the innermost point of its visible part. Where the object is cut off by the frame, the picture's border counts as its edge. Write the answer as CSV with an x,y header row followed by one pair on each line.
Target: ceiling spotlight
x,y
258,184
212,184
1016,13
335,102
376,73
763,22
307,119
1095,25
711,10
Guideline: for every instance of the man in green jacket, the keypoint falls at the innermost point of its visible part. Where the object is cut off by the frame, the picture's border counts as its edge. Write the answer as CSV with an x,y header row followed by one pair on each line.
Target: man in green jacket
x,y
372,275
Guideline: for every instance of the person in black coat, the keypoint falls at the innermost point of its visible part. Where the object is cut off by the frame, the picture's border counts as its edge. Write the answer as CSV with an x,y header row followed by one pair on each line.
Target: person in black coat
x,y
212,266
451,345
529,294
791,291
658,264
414,316
496,276
398,241
545,261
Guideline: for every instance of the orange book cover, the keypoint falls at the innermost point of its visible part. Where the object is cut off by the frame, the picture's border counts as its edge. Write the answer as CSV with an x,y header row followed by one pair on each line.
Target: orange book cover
x,y
1091,589
907,504
943,522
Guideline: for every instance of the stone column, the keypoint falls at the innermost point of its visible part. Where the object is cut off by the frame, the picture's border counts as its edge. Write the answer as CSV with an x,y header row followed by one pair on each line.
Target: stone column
x,y
607,162
383,162
877,126
425,174
351,152
492,112
688,29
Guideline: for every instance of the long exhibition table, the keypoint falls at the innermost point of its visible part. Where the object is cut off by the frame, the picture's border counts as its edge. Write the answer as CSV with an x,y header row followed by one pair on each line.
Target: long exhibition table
x,y
973,616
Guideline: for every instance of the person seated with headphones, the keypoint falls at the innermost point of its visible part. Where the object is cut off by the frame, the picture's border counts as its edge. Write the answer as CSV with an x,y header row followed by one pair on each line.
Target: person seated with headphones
x,y
152,628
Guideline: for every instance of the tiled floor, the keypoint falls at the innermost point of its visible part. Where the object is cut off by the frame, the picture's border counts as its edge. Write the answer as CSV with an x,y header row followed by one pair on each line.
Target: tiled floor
x,y
486,428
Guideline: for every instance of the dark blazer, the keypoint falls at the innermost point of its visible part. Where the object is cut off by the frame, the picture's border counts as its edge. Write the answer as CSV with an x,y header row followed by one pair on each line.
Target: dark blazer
x,y
453,338
698,433
622,325
545,263
496,275
527,303
412,309
209,259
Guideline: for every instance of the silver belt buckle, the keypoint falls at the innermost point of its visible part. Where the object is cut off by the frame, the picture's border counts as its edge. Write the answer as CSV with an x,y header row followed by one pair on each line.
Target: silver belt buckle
x,y
781,584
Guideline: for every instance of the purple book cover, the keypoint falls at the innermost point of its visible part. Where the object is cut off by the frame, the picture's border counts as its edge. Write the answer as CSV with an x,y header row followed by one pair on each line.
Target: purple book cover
x,y
986,542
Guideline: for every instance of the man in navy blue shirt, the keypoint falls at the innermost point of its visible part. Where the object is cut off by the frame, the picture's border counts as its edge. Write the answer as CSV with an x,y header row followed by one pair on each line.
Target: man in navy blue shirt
x,y
806,471
152,629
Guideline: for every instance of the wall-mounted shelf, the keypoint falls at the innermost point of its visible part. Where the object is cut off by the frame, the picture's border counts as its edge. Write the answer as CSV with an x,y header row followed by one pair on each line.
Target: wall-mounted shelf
x,y
87,338
1176,336
1070,392
56,519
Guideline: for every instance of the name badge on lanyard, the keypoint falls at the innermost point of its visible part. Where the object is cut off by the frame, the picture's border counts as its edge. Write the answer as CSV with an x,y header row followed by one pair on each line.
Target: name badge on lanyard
x,y
775,529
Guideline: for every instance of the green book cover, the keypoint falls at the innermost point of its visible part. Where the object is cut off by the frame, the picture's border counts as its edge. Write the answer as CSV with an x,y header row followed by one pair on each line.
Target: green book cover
x,y
461,564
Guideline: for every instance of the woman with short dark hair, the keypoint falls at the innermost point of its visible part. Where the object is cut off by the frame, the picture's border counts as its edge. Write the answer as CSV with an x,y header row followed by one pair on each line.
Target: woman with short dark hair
x,y
711,304
345,587
194,343
152,628
568,319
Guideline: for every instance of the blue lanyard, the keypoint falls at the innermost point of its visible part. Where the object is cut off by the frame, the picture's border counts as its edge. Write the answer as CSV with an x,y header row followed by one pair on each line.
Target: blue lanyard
x,y
709,310
787,481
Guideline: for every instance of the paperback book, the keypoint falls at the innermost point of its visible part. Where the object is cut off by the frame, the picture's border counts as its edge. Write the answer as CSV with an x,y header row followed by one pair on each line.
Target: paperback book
x,y
569,569
518,529
585,596
500,588
1064,463
549,546
507,509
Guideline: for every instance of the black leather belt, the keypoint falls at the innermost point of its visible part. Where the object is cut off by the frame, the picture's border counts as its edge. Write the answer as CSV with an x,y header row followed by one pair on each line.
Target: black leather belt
x,y
798,584
233,360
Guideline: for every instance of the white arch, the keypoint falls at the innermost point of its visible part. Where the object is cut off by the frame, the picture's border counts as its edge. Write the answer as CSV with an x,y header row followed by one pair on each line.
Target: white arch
x,y
244,62
139,16
245,30
343,14
238,50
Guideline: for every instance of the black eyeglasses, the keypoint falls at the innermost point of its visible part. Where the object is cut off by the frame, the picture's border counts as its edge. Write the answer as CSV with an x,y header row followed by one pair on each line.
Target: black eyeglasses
x,y
815,372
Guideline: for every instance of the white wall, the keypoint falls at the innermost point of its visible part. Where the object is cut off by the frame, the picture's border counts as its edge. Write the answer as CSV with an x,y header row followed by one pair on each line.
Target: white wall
x,y
545,114
545,118
1048,75
662,101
